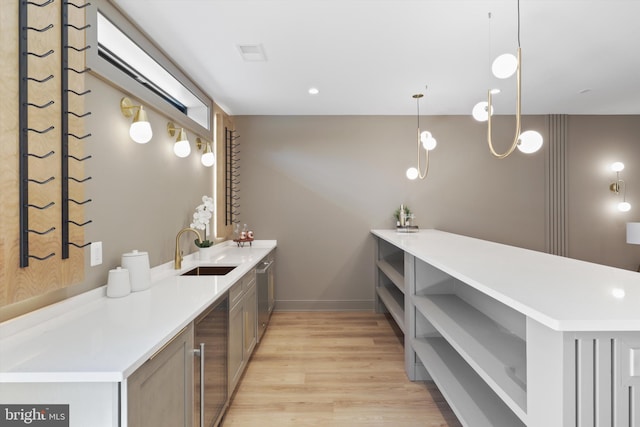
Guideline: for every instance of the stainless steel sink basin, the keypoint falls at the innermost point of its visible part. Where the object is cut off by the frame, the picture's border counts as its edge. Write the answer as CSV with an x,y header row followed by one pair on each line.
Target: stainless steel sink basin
x,y
209,270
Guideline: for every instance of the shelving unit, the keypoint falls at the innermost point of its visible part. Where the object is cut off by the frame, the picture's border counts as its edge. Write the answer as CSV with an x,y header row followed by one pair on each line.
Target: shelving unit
x,y
473,401
513,346
497,356
390,296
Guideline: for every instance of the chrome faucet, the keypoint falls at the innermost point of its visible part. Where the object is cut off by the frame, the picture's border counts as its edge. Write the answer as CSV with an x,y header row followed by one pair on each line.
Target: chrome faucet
x,y
178,258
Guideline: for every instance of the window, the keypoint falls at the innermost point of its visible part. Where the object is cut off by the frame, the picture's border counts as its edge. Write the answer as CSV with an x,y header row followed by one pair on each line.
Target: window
x,y
132,62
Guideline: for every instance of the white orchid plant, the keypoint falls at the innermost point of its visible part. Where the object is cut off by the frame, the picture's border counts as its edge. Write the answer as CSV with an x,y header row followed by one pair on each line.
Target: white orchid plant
x,y
201,218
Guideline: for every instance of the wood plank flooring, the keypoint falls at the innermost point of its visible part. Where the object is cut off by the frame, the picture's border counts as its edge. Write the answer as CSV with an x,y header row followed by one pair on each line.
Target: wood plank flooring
x,y
333,369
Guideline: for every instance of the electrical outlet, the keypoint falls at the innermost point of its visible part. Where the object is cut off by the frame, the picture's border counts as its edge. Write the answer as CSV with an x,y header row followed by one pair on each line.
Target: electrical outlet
x,y
96,253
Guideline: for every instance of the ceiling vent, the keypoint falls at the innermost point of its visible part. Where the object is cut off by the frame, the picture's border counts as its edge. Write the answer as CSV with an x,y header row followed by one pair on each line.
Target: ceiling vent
x,y
252,52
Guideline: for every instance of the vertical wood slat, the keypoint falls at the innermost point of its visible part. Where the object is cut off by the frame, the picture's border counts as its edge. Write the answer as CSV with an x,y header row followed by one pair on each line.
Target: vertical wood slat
x,y
621,401
606,392
557,231
585,383
634,406
603,372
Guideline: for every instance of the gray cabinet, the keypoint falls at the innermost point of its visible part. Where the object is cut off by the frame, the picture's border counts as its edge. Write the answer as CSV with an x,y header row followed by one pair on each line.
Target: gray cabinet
x,y
250,320
160,392
236,345
243,323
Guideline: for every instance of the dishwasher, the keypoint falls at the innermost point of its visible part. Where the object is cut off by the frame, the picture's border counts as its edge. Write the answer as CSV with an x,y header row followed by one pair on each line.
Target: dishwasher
x,y
265,286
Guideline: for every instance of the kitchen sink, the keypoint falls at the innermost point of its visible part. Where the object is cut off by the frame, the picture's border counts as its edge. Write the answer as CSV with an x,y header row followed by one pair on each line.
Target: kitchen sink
x,y
209,270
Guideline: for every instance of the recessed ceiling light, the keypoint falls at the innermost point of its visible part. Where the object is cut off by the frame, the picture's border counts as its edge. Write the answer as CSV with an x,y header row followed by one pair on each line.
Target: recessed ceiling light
x,y
583,91
313,91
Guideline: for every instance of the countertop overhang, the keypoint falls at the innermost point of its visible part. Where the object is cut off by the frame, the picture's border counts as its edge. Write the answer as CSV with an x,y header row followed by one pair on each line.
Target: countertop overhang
x,y
92,338
563,294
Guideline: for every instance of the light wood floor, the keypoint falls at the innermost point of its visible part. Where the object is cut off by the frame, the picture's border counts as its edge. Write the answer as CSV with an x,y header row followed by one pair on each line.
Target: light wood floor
x,y
333,369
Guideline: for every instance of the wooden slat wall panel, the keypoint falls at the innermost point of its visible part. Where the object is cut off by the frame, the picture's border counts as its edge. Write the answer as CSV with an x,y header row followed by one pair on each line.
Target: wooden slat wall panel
x,y
222,120
607,391
557,230
40,277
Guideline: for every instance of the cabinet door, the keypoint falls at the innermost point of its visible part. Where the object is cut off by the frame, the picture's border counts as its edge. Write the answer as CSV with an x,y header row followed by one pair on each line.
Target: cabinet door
x,y
272,284
160,392
250,320
236,345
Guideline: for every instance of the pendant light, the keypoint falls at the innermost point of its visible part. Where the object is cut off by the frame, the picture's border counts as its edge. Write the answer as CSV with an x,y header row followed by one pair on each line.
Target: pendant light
x,y
504,67
424,142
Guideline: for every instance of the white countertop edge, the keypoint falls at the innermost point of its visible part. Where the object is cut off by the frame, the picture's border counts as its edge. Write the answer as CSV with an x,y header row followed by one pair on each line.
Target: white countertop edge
x,y
20,323
58,377
558,323
48,317
52,311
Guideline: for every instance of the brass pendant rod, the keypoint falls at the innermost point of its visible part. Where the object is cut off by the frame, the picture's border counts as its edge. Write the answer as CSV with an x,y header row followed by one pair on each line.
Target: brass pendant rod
x,y
518,124
426,169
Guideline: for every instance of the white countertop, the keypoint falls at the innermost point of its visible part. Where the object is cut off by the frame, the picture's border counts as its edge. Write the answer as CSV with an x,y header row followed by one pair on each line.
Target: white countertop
x,y
92,338
562,293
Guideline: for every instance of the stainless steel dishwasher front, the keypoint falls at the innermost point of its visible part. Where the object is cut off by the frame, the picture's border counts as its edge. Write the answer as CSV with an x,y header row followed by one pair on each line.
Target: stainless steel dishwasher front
x,y
265,288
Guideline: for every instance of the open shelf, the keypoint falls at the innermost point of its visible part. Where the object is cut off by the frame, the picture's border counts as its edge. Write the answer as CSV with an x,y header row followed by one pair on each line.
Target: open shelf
x,y
473,401
498,356
393,268
394,301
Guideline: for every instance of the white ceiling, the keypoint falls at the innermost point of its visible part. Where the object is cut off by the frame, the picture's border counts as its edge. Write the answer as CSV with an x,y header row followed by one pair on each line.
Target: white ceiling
x,y
370,56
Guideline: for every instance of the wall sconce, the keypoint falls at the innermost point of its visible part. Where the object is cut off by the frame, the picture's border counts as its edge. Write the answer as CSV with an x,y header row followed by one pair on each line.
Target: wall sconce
x,y
208,158
181,148
618,186
424,140
140,130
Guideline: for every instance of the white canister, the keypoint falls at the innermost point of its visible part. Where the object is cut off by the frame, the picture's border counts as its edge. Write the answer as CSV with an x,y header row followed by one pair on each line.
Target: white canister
x,y
139,272
118,284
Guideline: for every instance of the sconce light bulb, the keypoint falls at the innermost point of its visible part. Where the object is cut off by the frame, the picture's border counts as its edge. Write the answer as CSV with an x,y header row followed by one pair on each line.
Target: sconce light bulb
x,y
529,142
140,132
182,148
617,166
624,206
480,111
428,141
208,159
412,173
504,66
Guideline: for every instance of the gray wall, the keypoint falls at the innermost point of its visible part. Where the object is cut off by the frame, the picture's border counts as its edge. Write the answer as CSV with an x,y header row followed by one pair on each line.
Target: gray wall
x,y
319,184
596,229
142,195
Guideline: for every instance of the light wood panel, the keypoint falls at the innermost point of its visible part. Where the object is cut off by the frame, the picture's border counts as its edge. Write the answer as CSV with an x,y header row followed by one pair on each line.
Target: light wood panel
x,y
222,121
333,369
40,277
